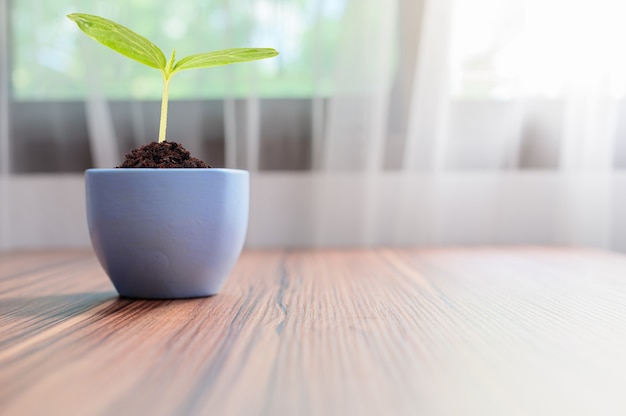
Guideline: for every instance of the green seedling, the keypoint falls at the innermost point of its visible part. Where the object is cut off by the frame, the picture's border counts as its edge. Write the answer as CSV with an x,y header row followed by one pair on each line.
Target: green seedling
x,y
137,47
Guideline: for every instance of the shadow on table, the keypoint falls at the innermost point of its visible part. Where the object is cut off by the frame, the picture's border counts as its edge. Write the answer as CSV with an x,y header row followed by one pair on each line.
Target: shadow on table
x,y
54,306
64,306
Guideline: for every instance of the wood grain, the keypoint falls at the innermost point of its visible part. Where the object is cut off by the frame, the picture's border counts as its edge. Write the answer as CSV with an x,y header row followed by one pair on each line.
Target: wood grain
x,y
455,331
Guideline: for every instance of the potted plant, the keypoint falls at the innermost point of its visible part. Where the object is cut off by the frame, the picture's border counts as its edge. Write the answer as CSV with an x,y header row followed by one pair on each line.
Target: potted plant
x,y
174,228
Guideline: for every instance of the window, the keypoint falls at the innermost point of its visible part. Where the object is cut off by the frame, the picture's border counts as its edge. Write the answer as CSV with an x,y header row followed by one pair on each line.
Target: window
x,y
504,49
54,67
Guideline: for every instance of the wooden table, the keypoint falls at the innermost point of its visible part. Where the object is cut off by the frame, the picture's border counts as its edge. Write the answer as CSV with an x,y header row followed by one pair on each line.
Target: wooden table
x,y
456,331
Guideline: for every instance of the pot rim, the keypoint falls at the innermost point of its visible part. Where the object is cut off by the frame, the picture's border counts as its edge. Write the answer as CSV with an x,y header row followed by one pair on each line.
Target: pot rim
x,y
164,170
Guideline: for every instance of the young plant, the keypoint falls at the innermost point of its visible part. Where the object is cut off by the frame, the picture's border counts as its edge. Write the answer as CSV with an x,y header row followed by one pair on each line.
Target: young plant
x,y
135,46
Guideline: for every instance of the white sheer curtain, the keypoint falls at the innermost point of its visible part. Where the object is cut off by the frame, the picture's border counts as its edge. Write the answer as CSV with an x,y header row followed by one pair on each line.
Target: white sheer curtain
x,y
498,122
431,121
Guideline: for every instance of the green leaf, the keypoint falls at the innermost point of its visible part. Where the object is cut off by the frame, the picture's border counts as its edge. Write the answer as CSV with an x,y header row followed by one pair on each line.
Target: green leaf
x,y
223,57
120,39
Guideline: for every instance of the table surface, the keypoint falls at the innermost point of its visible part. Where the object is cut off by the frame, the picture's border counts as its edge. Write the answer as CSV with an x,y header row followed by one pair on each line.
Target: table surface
x,y
451,331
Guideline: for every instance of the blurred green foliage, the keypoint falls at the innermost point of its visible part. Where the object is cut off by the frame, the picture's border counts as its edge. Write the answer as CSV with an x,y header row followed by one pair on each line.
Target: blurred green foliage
x,y
51,60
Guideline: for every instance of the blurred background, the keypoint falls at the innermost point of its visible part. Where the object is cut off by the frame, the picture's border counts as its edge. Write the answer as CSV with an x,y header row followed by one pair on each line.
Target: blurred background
x,y
382,122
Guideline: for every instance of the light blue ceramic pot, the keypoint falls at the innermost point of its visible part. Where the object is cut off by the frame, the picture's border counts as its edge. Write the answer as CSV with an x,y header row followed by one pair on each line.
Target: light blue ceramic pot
x,y
167,233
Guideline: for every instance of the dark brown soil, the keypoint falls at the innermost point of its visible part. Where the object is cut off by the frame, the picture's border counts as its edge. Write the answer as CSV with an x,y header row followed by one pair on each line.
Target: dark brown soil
x,y
161,155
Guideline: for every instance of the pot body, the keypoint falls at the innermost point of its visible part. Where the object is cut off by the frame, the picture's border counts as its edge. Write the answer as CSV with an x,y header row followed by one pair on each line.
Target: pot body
x,y
167,233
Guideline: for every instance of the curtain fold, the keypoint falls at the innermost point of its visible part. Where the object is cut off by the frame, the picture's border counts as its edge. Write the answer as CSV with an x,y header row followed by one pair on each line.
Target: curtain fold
x,y
103,143
5,149
426,138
